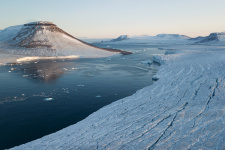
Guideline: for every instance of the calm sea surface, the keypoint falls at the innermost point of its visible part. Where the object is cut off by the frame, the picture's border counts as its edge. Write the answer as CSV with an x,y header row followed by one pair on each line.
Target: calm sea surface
x,y
42,97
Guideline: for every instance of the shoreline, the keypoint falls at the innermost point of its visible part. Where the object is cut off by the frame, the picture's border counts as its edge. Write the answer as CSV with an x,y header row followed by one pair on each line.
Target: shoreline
x,y
8,58
182,110
25,59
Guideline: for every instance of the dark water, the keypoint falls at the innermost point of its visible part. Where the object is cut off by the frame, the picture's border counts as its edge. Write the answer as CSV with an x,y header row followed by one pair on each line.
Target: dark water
x,y
77,88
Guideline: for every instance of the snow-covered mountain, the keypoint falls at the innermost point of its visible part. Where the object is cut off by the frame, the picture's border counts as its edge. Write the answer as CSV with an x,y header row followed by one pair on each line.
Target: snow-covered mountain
x,y
160,38
214,37
168,39
46,39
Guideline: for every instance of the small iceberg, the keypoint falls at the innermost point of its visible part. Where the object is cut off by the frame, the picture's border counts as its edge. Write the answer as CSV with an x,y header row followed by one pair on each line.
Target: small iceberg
x,y
147,62
98,96
48,99
155,78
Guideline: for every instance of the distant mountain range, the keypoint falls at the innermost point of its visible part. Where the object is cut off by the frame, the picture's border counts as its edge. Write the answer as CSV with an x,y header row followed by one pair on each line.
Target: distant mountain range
x,y
212,38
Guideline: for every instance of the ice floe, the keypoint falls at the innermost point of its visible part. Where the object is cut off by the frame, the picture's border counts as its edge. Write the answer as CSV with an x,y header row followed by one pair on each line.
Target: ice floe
x,y
147,62
48,99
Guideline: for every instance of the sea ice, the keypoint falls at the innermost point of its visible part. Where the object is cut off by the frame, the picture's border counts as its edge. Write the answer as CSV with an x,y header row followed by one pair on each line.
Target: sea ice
x,y
147,62
183,110
155,78
48,99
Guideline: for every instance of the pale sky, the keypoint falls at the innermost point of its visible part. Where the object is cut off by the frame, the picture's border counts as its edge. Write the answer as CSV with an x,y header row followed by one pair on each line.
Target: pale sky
x,y
111,18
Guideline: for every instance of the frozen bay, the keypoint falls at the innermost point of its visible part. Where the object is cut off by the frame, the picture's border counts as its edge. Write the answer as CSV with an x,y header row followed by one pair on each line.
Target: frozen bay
x,y
44,96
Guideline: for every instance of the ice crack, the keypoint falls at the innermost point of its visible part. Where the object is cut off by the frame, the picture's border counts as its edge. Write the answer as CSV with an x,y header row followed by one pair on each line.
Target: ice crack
x,y
170,125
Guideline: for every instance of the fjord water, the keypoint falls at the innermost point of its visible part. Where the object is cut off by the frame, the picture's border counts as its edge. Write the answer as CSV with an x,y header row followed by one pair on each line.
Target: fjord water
x,y
42,97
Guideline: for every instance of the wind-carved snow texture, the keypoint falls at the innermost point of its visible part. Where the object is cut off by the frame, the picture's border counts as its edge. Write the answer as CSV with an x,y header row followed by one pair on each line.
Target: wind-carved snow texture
x,y
184,109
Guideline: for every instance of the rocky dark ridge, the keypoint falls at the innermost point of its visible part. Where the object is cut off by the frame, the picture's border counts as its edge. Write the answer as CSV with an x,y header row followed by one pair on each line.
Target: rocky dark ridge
x,y
42,23
120,38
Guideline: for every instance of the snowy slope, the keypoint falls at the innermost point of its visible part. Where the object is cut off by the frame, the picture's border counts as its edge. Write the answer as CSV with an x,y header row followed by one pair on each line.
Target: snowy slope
x,y
9,33
184,109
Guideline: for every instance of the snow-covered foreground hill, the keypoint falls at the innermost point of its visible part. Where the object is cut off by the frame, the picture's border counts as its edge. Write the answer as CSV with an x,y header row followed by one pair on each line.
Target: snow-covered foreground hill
x,y
44,40
184,109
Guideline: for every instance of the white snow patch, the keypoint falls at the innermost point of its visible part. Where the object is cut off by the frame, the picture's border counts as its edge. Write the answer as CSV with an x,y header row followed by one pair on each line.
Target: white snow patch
x,y
24,59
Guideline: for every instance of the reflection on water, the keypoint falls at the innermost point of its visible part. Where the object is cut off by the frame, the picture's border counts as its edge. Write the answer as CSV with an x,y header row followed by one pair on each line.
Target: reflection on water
x,y
44,71
42,97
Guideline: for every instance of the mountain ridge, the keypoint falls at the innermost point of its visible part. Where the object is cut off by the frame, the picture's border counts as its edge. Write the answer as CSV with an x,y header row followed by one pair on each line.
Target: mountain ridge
x,y
46,35
214,37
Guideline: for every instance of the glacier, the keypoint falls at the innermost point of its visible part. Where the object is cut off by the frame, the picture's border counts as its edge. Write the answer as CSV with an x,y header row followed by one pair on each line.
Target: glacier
x,y
184,109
